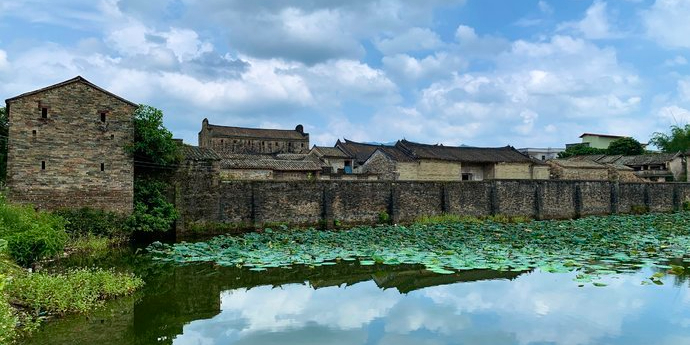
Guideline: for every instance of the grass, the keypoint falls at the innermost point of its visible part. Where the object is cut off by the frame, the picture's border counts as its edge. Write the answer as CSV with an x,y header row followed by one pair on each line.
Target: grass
x,y
452,218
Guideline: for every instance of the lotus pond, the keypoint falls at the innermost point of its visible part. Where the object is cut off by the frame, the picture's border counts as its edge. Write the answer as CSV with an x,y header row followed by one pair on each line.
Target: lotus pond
x,y
606,280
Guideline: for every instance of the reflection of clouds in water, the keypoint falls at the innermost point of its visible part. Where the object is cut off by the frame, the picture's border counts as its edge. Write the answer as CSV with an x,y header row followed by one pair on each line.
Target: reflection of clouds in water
x,y
535,308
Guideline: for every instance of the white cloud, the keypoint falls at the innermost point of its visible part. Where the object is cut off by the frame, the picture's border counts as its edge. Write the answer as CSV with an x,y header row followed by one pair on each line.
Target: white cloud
x,y
673,115
407,69
414,39
544,7
678,60
667,23
595,24
4,64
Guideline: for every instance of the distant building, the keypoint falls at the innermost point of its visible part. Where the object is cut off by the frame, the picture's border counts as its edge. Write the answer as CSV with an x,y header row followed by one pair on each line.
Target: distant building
x,y
239,140
283,166
542,154
599,141
408,161
335,159
654,167
66,147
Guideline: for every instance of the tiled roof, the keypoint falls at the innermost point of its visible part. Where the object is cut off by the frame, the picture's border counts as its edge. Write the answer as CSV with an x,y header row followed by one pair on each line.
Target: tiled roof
x,y
637,160
270,164
70,81
578,163
196,153
602,135
464,154
261,133
331,152
361,152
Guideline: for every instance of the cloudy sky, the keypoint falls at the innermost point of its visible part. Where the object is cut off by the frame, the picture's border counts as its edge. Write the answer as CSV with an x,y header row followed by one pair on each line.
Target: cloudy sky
x,y
532,73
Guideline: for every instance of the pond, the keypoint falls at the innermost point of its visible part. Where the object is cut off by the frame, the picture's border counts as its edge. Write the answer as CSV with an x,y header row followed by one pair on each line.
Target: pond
x,y
349,303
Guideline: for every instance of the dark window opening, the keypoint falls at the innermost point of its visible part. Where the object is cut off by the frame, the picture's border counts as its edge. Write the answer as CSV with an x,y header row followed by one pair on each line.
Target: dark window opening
x,y
103,117
44,113
43,165
33,133
112,136
543,157
466,177
102,166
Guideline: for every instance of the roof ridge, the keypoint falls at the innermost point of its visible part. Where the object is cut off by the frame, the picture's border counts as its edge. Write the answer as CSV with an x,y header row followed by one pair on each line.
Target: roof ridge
x,y
67,82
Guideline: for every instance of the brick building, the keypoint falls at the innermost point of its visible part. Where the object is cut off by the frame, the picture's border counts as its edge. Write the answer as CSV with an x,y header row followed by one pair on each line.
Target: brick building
x,y
66,147
227,139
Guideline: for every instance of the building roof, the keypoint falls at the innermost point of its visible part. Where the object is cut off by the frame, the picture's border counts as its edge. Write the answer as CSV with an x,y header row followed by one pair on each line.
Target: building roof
x,y
505,154
195,153
257,133
603,135
332,152
77,79
578,163
263,163
636,160
361,152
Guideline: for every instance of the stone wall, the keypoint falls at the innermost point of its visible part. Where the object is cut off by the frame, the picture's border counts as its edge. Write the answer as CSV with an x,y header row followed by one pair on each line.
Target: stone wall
x,y
66,149
253,204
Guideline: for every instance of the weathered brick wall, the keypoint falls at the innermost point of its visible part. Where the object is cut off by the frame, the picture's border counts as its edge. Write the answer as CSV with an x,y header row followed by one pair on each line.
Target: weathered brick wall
x,y
250,204
513,171
439,171
73,142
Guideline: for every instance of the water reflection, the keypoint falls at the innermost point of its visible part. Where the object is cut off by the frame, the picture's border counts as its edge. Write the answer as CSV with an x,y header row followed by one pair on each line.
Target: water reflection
x,y
352,304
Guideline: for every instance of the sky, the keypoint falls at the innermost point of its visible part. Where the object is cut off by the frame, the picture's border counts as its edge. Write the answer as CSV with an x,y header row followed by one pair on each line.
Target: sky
x,y
526,73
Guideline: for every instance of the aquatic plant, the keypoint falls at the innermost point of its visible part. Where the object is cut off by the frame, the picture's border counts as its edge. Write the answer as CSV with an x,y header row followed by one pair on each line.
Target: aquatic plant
x,y
593,245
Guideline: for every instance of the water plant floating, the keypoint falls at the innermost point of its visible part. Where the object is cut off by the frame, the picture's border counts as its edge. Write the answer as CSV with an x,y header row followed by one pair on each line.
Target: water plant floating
x,y
594,246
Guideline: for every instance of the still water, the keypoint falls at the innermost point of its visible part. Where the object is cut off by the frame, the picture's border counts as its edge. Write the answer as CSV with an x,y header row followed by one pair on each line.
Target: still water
x,y
352,304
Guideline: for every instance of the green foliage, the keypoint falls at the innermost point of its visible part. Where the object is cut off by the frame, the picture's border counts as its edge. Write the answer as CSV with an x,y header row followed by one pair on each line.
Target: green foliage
x,y
74,291
31,235
686,205
676,141
93,244
153,143
4,132
8,320
152,211
625,146
452,218
594,246
639,209
580,150
384,218
87,221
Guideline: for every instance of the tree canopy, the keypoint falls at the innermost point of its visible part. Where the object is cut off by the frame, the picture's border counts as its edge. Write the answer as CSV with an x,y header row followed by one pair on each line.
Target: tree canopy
x,y
625,146
580,150
677,141
152,141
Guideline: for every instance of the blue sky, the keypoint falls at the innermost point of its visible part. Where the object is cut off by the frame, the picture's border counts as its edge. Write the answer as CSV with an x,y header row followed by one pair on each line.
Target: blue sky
x,y
529,73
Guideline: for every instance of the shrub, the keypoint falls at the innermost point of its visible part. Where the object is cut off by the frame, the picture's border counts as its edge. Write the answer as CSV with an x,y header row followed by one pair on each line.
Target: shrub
x,y
8,321
384,218
88,221
686,205
31,235
152,211
74,291
639,209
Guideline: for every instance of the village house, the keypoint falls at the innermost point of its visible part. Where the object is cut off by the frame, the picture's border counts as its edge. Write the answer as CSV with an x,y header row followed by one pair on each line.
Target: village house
x,y
334,159
654,167
269,167
409,161
228,139
597,141
66,147
542,154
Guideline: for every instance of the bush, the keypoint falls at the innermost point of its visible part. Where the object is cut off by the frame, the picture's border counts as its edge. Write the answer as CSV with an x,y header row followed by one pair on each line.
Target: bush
x,y
31,235
384,218
74,291
88,221
8,321
152,211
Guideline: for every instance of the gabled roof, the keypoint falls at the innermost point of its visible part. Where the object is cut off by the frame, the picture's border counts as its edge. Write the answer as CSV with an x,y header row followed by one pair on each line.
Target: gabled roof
x,y
268,163
195,153
77,79
361,152
636,160
331,152
506,154
257,133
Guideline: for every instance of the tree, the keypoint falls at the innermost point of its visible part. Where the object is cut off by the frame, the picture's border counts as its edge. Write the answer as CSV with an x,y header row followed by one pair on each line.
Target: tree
x,y
153,143
580,150
625,146
677,141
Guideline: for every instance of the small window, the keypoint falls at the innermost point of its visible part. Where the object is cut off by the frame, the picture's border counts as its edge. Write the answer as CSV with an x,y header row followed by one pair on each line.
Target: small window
x,y
543,157
466,176
44,113
43,165
33,133
103,116
102,166
112,136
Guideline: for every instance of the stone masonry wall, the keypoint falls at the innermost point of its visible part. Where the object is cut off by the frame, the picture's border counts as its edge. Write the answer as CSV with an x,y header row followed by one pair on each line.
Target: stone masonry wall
x,y
253,204
56,161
